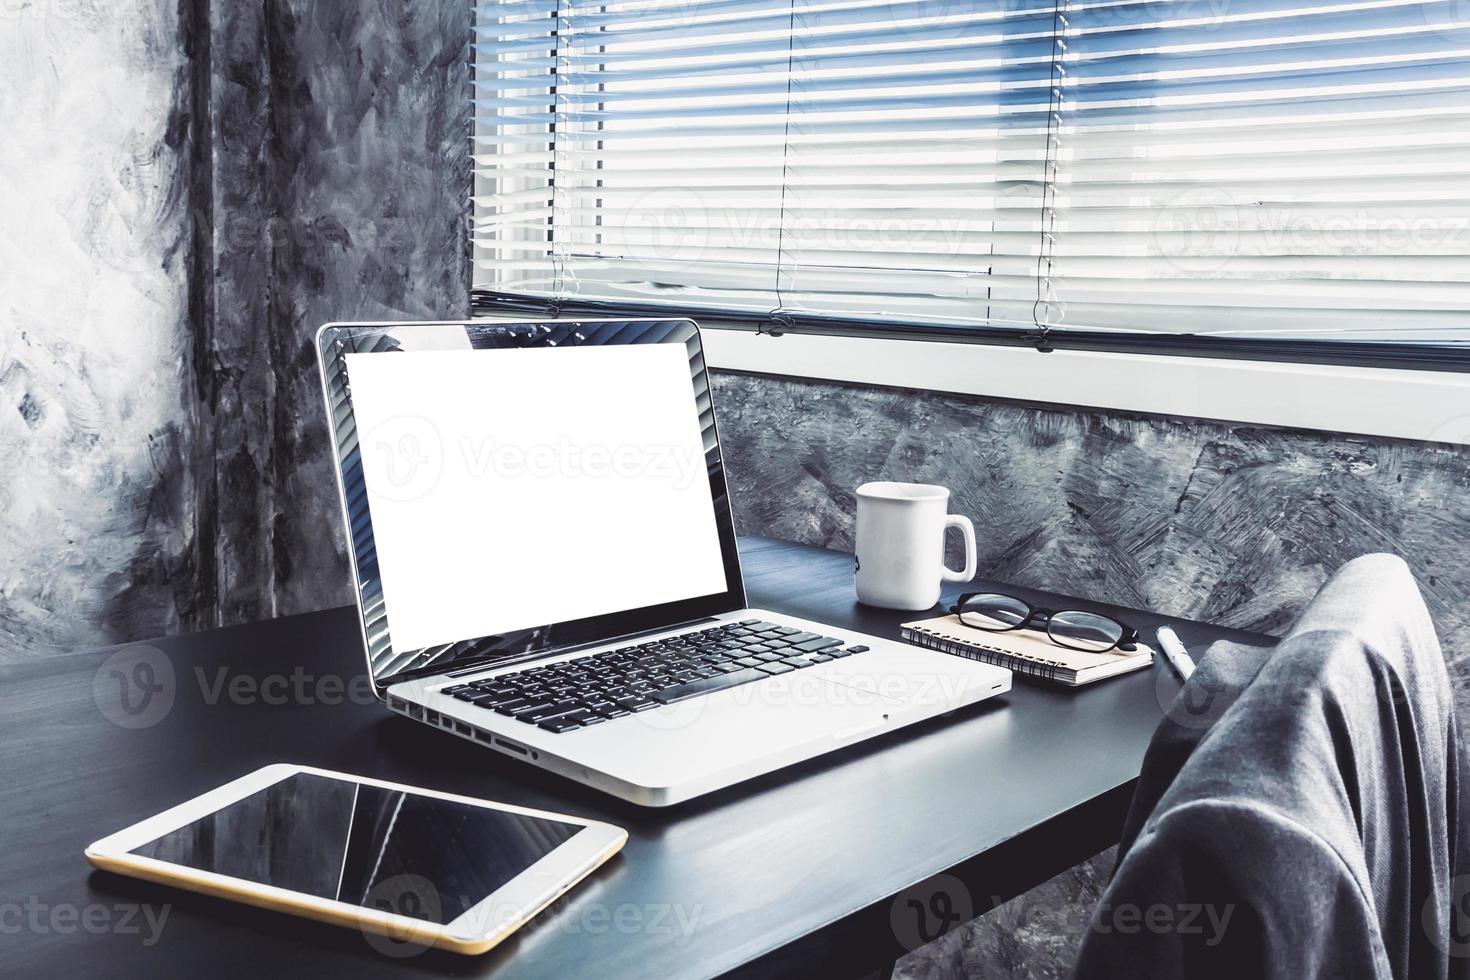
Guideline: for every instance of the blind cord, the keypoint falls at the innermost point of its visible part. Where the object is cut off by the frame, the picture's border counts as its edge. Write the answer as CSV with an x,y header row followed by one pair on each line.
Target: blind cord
x,y
779,321
1045,255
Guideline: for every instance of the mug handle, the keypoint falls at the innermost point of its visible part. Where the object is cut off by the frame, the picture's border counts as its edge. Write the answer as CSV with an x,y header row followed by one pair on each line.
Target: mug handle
x,y
967,531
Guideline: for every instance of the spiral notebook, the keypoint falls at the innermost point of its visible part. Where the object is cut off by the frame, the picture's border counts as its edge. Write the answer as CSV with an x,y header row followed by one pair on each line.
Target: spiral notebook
x,y
1024,651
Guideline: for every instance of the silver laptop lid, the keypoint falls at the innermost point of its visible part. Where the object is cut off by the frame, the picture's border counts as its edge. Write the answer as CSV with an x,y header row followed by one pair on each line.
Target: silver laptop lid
x,y
511,489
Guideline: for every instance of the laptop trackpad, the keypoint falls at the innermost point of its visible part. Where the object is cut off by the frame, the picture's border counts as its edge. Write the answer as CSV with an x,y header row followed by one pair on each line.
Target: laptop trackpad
x,y
913,678
780,719
726,729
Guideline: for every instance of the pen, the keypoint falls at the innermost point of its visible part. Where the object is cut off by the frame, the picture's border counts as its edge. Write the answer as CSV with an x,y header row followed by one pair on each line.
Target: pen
x,y
1175,653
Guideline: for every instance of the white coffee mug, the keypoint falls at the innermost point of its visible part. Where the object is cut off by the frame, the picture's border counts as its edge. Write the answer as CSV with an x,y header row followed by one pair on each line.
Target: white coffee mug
x,y
900,544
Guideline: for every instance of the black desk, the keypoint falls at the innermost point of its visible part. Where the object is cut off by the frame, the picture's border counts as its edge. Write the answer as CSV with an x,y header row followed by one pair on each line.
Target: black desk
x,y
810,870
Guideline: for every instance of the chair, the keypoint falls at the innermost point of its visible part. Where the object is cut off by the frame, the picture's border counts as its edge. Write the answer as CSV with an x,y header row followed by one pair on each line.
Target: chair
x,y
1298,814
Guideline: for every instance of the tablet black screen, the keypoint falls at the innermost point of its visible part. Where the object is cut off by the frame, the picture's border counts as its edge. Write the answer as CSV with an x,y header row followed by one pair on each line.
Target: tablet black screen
x,y
379,848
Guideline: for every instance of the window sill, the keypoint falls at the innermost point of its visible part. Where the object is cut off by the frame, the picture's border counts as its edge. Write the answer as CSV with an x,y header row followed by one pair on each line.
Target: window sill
x,y
1396,403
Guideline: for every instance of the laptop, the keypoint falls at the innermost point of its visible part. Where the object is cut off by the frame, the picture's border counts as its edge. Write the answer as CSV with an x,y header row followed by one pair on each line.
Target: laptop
x,y
542,547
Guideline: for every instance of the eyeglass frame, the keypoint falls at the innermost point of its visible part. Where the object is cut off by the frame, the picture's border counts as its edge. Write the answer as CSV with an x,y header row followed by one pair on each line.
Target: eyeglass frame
x,y
1128,641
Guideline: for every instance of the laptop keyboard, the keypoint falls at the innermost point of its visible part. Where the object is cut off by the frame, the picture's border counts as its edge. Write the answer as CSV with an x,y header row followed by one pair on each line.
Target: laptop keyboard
x,y
590,690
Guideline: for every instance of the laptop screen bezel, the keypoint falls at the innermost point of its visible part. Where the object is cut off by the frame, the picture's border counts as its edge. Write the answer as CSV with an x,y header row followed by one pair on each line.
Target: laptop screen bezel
x,y
388,666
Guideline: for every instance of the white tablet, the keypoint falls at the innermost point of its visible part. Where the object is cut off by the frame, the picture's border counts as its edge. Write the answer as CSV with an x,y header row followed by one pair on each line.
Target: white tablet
x,y
409,867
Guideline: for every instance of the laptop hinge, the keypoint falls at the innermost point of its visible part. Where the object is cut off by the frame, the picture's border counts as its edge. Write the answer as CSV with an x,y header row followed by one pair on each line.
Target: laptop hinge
x,y
573,648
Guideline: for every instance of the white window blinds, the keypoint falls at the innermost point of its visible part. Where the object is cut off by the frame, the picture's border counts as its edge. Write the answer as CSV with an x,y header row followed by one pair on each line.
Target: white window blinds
x,y
1291,168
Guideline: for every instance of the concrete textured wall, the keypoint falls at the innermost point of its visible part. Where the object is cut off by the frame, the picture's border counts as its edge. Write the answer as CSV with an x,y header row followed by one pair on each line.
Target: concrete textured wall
x,y
189,189
95,512
1231,524
340,181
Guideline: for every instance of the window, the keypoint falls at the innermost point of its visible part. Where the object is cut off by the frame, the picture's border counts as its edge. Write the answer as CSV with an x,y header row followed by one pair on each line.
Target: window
x,y
1283,179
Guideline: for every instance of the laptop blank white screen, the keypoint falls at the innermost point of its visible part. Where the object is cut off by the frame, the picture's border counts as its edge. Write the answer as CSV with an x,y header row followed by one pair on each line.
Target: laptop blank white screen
x,y
510,489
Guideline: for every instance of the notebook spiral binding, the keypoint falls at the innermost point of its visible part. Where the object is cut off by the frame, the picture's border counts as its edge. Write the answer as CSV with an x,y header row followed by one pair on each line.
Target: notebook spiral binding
x,y
1037,667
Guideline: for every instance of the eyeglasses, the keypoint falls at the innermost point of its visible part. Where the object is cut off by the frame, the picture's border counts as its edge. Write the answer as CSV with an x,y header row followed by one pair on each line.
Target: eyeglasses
x,y
1075,629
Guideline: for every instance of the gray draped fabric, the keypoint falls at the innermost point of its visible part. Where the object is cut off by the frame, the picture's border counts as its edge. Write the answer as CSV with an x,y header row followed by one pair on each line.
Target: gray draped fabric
x,y
1298,815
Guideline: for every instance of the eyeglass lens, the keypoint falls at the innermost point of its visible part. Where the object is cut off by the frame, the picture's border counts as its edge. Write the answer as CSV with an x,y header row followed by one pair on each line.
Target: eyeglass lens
x,y
990,611
1084,630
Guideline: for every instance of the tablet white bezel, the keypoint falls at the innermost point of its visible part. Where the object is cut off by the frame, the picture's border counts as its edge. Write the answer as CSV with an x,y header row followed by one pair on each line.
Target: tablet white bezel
x,y
476,930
